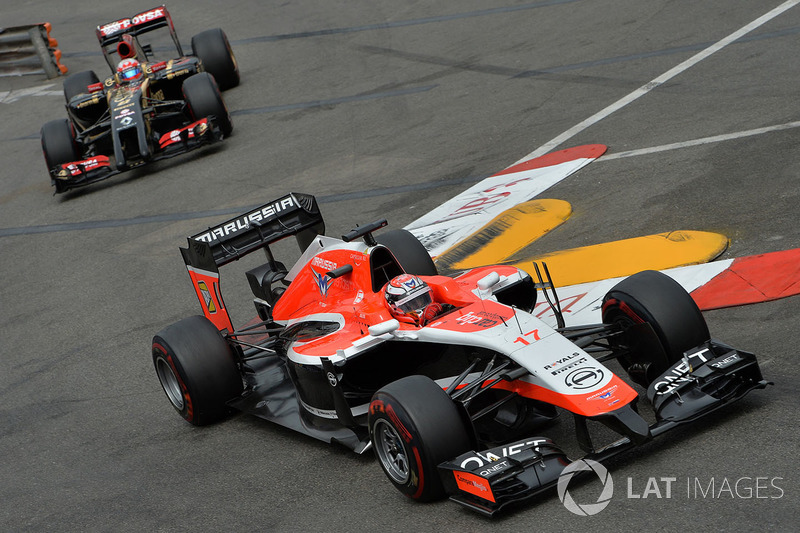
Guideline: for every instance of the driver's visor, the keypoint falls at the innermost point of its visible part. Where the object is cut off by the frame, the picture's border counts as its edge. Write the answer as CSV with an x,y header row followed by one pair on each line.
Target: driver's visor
x,y
131,73
415,302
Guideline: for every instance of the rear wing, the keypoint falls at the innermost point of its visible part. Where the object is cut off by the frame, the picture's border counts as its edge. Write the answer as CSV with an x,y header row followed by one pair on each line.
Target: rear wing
x,y
157,17
111,33
295,215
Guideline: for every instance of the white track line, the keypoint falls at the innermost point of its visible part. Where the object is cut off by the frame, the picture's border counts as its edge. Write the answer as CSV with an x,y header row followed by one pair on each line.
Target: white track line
x,y
644,89
8,97
698,142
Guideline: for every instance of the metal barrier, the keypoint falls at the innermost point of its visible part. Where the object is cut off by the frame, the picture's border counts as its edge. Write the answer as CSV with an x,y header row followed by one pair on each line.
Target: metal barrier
x,y
29,50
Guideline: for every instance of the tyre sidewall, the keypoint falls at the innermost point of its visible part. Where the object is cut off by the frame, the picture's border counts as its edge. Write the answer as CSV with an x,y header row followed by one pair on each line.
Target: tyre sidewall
x,y
161,351
431,432
203,364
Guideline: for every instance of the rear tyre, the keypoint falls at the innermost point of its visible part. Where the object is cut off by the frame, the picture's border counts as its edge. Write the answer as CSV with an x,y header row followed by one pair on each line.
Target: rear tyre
x,y
196,368
59,147
656,299
407,249
204,99
415,426
214,50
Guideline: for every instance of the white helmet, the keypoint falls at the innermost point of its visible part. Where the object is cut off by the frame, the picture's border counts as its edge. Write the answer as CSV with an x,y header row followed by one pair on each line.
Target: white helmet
x,y
407,297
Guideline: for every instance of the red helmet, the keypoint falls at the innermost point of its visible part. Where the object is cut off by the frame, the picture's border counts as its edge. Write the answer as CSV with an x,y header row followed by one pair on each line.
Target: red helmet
x,y
129,70
407,297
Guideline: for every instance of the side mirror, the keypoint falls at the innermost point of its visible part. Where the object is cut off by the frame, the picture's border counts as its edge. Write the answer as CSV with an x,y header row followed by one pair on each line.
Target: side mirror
x,y
489,281
384,327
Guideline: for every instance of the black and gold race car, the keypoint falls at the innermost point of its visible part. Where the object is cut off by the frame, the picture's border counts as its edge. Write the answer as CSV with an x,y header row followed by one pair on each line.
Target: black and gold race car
x,y
150,108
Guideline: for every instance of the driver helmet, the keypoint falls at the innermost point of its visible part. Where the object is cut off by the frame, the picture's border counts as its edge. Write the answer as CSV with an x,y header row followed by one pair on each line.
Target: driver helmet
x,y
129,70
407,297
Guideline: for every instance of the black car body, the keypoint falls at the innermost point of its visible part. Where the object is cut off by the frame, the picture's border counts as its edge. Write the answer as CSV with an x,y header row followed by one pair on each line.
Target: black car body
x,y
173,107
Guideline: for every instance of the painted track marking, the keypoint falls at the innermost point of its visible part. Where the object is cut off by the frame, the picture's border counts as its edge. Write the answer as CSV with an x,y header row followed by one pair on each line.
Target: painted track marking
x,y
660,80
701,141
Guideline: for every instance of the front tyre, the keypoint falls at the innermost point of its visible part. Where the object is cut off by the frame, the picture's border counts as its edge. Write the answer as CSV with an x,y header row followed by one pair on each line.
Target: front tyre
x,y
408,251
78,83
59,147
196,368
204,99
414,426
656,299
86,111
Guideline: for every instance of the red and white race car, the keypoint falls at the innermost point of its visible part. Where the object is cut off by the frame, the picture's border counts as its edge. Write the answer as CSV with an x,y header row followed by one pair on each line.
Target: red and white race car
x,y
448,378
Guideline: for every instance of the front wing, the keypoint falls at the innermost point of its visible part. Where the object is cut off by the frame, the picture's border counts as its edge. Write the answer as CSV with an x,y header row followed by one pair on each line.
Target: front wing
x,y
493,479
79,173
707,378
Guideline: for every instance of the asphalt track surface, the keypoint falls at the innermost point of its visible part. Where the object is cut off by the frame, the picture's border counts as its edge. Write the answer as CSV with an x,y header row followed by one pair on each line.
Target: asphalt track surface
x,y
386,109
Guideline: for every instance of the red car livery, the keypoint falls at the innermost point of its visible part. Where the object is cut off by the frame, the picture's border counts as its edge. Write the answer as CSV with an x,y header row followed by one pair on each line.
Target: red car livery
x,y
453,402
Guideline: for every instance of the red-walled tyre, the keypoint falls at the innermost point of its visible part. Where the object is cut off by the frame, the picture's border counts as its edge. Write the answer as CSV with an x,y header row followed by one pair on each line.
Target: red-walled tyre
x,y
415,426
196,368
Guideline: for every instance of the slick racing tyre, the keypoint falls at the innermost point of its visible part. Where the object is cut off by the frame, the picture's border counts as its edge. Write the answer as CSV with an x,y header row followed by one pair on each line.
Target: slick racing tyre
x,y
414,426
202,95
196,369
87,110
214,50
78,83
411,254
59,147
656,299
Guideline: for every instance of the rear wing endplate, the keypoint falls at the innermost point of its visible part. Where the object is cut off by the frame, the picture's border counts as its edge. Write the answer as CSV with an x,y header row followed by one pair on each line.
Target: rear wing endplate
x,y
294,214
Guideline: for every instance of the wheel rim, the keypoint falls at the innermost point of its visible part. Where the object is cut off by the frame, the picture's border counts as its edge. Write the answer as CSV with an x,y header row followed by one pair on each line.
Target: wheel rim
x,y
170,384
391,452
